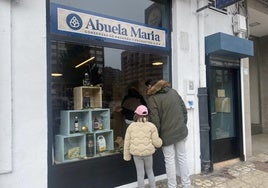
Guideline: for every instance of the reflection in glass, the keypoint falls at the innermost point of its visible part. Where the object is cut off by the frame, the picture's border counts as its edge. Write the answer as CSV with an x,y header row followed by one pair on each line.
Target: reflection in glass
x,y
114,70
113,67
222,105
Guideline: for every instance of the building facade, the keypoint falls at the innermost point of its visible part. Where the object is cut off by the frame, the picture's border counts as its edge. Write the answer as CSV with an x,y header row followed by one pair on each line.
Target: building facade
x,y
204,54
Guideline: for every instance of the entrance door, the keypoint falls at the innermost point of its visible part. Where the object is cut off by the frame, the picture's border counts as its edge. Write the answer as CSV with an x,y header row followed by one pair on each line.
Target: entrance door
x,y
225,119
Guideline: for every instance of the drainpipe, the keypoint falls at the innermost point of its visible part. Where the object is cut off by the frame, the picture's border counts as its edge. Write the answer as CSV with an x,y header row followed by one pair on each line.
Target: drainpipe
x,y
206,164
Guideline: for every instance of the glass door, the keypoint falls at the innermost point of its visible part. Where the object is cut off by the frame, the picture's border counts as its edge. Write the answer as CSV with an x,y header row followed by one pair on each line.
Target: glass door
x,y
225,116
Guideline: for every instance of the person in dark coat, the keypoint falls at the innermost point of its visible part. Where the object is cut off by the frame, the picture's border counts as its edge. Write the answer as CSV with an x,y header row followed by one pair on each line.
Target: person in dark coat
x,y
129,104
169,114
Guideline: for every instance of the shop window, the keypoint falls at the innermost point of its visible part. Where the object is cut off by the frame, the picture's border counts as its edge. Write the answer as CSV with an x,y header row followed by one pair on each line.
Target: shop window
x,y
110,72
91,75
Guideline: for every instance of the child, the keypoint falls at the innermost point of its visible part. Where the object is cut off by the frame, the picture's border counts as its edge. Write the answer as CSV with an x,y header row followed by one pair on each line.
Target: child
x,y
141,139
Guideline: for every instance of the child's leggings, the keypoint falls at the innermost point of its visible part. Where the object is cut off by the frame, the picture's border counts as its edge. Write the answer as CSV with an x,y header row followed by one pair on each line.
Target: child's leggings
x,y
147,163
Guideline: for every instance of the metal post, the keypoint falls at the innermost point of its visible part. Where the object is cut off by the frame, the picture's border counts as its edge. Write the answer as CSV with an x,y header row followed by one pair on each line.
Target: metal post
x,y
206,164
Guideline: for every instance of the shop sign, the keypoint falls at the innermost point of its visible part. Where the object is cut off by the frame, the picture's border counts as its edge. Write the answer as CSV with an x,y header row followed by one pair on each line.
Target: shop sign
x,y
225,3
87,24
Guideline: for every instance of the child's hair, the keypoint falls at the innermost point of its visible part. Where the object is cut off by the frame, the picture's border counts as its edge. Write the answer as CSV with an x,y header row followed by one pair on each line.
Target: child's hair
x,y
139,118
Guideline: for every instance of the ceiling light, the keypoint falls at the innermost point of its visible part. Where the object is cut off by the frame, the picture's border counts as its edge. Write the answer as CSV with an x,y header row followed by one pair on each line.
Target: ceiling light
x,y
56,74
84,62
156,63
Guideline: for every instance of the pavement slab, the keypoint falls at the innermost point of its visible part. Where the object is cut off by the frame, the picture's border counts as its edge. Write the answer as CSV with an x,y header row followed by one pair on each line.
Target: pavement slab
x,y
252,173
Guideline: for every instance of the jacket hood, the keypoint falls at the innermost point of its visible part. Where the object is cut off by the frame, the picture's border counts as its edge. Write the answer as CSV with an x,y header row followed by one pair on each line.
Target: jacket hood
x,y
158,87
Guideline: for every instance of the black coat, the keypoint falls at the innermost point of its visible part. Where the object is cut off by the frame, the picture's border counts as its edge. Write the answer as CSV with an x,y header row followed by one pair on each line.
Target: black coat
x,y
130,102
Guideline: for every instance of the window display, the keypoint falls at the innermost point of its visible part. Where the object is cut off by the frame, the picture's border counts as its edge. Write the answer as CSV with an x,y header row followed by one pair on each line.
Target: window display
x,y
90,70
77,142
87,120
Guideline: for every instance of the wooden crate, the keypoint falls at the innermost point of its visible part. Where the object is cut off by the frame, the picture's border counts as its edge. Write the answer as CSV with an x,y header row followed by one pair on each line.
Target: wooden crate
x,y
87,97
68,118
64,143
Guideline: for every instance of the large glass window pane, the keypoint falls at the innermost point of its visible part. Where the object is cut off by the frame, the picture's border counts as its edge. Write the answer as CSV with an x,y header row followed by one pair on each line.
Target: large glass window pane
x,y
114,71
90,76
222,104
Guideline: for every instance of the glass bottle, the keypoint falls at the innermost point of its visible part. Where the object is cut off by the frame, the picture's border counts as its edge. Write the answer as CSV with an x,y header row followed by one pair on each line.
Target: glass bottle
x,y
86,81
90,145
76,126
86,99
96,123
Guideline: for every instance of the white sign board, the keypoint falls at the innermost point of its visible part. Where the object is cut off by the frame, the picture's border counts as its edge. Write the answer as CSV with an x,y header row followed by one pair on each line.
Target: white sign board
x,y
87,24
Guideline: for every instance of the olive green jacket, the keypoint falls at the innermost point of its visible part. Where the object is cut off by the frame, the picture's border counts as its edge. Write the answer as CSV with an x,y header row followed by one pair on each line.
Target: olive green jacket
x,y
168,112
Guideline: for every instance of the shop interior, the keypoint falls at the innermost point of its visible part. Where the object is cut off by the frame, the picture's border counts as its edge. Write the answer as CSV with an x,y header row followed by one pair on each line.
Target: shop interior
x,y
105,75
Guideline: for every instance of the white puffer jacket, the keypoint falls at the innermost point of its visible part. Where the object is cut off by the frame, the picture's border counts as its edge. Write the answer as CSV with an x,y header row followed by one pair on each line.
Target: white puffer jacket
x,y
141,139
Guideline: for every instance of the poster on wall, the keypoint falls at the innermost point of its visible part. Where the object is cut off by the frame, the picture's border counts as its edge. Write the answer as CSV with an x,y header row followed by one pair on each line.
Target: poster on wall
x,y
70,21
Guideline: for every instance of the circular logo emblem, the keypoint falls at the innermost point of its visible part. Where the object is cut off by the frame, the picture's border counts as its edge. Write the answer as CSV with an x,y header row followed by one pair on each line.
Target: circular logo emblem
x,y
74,21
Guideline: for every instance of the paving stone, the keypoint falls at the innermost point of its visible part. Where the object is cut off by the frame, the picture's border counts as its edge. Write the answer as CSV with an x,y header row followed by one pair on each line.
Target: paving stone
x,y
250,174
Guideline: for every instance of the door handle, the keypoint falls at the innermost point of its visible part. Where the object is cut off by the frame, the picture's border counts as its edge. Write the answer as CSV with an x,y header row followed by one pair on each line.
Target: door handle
x,y
213,113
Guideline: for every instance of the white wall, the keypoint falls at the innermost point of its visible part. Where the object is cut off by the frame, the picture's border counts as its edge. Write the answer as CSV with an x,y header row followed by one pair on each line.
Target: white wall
x,y
188,59
217,22
254,86
26,60
185,67
5,85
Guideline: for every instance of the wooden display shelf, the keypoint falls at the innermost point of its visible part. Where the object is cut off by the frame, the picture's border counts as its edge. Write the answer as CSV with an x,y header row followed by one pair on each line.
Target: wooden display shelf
x,y
87,97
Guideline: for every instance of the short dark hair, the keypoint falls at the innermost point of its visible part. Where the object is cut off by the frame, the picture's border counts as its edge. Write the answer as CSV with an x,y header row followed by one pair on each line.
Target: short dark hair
x,y
148,82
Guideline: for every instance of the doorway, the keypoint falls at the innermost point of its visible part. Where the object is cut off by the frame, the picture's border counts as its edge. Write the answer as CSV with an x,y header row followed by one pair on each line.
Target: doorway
x,y
225,110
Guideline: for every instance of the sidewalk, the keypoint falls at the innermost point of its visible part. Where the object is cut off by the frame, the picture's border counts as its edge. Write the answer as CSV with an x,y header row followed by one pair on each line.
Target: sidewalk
x,y
250,174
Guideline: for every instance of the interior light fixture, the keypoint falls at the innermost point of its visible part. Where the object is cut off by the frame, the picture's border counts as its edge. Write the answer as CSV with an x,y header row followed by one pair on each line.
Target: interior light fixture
x,y
157,63
56,74
84,62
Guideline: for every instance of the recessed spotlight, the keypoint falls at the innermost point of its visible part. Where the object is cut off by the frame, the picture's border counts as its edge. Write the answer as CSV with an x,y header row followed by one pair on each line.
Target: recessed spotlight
x,y
56,74
157,63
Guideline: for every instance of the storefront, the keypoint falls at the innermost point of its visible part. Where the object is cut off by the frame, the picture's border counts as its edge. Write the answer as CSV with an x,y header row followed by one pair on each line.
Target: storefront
x,y
97,53
66,59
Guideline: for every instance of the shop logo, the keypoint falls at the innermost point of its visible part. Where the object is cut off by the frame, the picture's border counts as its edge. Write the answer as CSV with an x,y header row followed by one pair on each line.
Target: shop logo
x,y
74,21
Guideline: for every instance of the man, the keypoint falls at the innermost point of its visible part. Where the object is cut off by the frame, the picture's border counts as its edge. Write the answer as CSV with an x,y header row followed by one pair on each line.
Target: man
x,y
169,114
